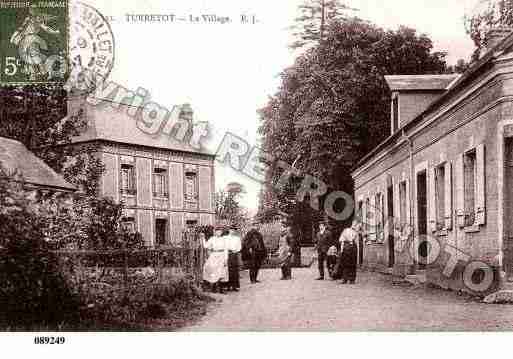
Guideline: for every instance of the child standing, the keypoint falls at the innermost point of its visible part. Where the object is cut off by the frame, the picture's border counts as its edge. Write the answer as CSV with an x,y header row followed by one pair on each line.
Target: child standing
x,y
285,258
332,260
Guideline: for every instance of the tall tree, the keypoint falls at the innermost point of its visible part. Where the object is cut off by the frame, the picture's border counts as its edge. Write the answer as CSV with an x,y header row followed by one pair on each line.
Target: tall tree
x,y
314,16
227,205
333,105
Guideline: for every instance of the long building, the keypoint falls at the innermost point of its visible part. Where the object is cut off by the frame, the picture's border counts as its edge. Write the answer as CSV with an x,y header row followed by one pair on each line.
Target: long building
x,y
436,197
164,184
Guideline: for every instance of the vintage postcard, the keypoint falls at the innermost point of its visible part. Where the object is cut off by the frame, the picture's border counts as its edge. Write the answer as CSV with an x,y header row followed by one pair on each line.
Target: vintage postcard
x,y
255,166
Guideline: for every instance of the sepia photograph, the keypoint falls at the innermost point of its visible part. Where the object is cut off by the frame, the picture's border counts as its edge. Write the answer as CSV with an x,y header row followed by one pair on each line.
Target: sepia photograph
x,y
301,166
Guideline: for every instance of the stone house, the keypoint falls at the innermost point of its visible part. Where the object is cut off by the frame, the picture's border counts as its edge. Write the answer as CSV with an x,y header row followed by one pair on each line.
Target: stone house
x,y
436,197
164,184
16,159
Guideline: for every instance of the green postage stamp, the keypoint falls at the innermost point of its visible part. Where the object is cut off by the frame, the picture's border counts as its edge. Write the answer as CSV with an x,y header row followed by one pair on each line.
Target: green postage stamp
x,y
33,41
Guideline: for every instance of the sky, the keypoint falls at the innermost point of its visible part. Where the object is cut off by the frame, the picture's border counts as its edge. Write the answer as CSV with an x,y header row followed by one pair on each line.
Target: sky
x,y
227,71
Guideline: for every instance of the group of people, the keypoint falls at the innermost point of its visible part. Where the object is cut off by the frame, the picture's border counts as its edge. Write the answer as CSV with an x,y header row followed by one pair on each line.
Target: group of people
x,y
225,252
340,257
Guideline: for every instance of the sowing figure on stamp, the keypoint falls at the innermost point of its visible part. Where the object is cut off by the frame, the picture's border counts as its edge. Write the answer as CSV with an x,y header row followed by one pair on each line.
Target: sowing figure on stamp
x,y
26,37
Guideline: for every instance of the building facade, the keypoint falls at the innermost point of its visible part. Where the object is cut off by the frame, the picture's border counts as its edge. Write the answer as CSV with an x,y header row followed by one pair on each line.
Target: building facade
x,y
436,197
164,184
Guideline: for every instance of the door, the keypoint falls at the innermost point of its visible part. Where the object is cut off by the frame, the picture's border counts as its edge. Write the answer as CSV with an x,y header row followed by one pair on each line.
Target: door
x,y
390,224
422,219
160,231
508,208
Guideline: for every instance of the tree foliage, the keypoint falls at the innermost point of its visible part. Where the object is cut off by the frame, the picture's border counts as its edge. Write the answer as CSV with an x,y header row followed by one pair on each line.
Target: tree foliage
x,y
488,14
314,16
36,115
333,106
227,207
32,289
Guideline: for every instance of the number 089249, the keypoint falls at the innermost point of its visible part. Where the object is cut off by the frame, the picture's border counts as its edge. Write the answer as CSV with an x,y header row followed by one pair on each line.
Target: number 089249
x,y
49,340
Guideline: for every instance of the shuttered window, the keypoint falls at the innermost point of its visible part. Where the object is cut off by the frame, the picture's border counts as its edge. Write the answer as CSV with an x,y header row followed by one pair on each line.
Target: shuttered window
x,y
440,202
469,187
367,216
191,187
402,204
128,179
160,186
359,211
379,213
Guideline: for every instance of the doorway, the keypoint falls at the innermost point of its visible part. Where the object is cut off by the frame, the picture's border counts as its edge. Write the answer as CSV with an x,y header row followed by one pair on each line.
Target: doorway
x,y
160,231
360,235
422,217
390,224
507,262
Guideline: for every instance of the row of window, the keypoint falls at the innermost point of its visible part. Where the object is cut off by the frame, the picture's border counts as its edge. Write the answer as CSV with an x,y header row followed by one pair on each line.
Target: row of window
x,y
161,228
160,183
433,198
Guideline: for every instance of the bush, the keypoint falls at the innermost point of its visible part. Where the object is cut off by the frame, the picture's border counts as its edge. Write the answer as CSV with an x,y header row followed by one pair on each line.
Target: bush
x,y
119,308
32,290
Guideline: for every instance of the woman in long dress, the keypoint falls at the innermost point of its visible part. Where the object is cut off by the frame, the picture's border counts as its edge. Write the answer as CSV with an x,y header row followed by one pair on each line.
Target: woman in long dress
x,y
215,270
233,242
349,252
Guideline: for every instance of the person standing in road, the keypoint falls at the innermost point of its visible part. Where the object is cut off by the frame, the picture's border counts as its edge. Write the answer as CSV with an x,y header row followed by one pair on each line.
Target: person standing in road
x,y
215,270
254,252
324,241
233,242
349,252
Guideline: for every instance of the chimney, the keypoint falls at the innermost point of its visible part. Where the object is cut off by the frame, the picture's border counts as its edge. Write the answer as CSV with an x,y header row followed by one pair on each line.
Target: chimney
x,y
494,36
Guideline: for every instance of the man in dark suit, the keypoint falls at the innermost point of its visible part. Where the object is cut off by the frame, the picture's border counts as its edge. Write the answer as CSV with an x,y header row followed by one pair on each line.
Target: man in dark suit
x,y
254,252
324,240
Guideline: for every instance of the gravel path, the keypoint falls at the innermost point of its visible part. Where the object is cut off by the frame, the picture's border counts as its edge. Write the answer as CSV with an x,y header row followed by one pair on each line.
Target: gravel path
x,y
372,304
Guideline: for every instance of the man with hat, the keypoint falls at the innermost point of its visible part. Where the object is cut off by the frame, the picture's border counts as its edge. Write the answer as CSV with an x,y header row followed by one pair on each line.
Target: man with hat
x,y
254,252
324,240
234,245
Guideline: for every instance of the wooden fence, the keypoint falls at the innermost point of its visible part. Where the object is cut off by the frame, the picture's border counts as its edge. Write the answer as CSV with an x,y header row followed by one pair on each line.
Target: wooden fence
x,y
121,265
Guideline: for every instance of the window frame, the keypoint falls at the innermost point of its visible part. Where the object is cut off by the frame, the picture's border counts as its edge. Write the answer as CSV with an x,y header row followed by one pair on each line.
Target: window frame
x,y
194,198
403,215
131,189
441,227
163,174
470,226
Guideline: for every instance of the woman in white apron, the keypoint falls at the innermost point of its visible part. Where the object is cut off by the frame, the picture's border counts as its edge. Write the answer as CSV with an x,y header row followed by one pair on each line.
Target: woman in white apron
x,y
215,270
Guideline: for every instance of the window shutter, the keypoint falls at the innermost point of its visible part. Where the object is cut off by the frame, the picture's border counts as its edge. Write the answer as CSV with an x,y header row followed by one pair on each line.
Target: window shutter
x,y
397,207
372,218
448,196
431,199
460,192
408,204
204,188
480,185
176,185
364,216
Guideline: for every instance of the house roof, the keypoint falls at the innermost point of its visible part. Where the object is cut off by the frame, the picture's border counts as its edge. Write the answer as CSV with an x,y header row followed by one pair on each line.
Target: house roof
x,y
420,82
454,87
105,122
14,156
